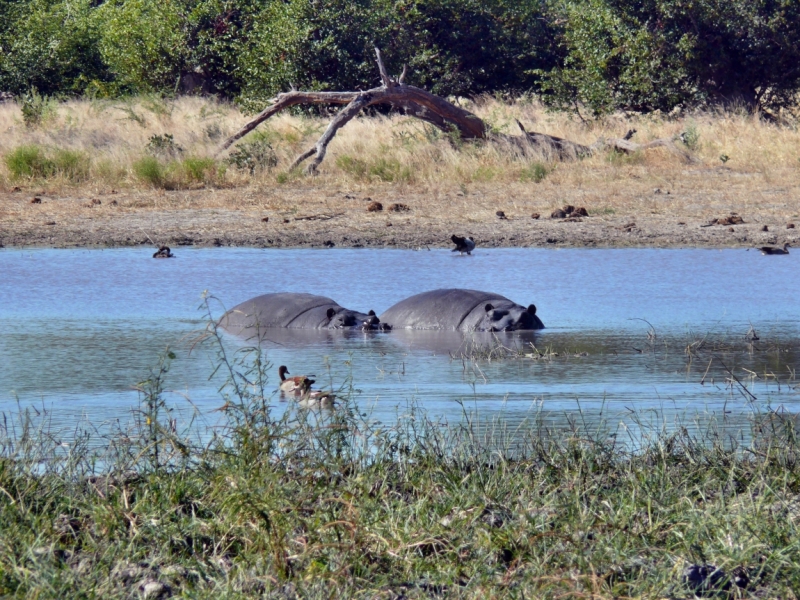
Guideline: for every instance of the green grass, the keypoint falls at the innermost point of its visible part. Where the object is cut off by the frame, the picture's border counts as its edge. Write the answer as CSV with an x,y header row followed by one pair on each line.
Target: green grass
x,y
150,170
36,162
335,505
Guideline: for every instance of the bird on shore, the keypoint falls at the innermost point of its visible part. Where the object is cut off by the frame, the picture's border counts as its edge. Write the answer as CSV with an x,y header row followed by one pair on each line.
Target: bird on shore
x,y
463,244
775,250
292,385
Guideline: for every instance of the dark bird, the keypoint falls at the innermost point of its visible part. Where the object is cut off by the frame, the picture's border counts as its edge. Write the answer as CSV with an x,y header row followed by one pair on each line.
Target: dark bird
x,y
463,244
164,252
775,249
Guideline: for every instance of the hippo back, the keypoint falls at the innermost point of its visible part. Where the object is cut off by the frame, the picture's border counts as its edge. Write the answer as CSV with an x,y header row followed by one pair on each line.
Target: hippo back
x,y
292,310
459,309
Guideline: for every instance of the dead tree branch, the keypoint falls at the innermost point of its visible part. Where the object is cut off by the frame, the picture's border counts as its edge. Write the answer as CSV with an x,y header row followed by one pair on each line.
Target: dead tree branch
x,y
437,111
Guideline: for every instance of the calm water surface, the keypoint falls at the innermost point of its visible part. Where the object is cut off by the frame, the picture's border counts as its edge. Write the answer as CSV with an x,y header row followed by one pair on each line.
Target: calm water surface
x,y
81,327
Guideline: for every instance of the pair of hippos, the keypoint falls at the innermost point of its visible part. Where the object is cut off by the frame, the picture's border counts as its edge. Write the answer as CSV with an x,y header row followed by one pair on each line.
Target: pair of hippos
x,y
446,309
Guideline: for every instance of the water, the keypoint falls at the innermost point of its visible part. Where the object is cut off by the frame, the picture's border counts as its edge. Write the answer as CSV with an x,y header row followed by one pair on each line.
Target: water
x,y
80,328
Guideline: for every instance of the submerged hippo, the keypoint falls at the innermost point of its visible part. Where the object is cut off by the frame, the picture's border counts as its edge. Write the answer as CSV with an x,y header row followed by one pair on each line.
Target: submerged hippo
x,y
462,310
296,311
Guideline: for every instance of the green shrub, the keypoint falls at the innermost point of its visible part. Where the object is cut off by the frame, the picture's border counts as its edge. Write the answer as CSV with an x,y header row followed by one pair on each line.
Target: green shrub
x,y
32,161
353,166
71,164
389,170
200,169
150,170
163,146
36,109
535,172
252,156
29,161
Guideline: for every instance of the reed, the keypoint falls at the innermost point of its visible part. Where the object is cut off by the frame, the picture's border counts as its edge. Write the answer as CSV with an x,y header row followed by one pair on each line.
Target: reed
x,y
335,504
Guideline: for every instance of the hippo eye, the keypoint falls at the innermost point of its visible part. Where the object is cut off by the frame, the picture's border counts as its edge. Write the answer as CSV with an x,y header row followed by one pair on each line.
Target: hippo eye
x,y
488,307
331,312
532,309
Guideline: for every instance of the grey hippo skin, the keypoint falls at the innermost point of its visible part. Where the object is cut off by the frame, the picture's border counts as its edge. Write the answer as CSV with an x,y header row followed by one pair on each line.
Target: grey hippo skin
x,y
295,311
461,310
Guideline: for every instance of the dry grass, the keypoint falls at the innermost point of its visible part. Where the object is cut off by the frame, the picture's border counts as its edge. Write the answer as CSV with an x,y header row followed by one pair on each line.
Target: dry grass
x,y
396,149
398,159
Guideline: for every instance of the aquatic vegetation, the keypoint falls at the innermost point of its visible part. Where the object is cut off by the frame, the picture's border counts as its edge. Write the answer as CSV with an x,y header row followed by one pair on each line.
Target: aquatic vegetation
x,y
321,504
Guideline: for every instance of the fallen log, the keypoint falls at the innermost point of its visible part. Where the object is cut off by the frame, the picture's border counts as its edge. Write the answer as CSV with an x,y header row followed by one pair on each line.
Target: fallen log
x,y
432,109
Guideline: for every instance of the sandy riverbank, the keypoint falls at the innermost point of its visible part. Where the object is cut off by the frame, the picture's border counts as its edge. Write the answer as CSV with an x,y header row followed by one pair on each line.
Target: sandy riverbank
x,y
625,213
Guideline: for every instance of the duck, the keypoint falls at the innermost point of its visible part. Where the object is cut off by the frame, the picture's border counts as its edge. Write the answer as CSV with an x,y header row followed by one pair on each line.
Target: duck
x,y
313,399
775,250
292,385
463,244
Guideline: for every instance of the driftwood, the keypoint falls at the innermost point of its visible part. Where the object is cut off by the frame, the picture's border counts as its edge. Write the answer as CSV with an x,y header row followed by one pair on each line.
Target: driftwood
x,y
432,109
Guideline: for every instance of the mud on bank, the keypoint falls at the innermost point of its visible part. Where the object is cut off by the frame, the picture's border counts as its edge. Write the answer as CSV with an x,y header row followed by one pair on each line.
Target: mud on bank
x,y
627,213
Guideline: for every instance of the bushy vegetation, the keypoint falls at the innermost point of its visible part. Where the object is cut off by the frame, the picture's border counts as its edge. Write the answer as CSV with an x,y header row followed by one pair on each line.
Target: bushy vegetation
x,y
592,55
312,504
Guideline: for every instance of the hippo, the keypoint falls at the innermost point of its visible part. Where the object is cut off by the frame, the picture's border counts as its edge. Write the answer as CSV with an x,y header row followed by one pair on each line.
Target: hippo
x,y
296,311
461,310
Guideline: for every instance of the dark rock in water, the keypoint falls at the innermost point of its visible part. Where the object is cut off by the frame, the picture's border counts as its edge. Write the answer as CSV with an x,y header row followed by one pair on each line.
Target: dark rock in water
x,y
164,252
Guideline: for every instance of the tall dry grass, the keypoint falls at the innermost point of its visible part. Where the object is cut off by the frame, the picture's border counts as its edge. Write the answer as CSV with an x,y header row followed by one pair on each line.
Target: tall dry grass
x,y
110,139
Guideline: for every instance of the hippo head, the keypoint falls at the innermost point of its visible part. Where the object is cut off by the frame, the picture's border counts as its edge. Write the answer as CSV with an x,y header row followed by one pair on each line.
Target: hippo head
x,y
507,316
343,319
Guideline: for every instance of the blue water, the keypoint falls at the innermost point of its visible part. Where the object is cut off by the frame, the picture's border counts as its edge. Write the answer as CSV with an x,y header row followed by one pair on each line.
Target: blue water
x,y
80,328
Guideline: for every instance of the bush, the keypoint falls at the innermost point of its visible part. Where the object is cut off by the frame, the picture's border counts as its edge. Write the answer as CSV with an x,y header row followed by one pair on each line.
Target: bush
x,y
29,161
197,169
71,164
535,172
150,170
32,161
252,156
35,109
659,54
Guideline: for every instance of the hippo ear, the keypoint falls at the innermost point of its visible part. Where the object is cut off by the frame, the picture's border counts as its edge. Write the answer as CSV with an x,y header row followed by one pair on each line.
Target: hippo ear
x,y
532,309
488,307
331,312
371,313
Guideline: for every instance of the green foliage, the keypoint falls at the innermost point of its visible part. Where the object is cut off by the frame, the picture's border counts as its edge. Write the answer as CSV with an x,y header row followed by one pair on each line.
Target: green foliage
x,y
200,169
535,172
163,146
658,54
35,109
691,137
50,46
380,169
32,161
254,155
150,170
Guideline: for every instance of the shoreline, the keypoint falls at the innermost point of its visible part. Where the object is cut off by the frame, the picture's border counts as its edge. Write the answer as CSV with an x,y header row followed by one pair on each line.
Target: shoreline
x,y
320,218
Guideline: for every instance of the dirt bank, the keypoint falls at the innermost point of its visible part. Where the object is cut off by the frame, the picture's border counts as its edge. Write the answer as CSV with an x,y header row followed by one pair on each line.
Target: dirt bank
x,y
625,213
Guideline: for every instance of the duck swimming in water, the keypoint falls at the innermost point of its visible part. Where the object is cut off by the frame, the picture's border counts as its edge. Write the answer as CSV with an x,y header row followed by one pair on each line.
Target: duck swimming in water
x,y
775,250
292,385
463,244
314,399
